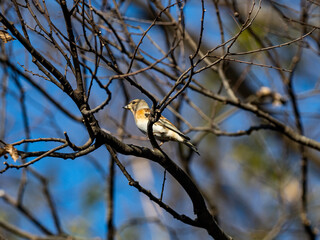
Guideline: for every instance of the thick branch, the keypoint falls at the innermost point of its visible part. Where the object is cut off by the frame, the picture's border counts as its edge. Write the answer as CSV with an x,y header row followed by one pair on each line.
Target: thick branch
x,y
204,218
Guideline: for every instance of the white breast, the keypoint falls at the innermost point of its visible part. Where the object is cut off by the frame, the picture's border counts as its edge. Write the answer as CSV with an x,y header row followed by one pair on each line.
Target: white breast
x,y
142,125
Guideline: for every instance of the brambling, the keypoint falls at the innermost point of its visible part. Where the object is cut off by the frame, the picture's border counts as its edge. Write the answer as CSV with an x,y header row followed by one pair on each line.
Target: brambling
x,y
163,129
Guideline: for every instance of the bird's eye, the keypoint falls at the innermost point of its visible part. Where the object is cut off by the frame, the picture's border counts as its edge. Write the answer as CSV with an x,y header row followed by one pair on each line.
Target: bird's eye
x,y
134,102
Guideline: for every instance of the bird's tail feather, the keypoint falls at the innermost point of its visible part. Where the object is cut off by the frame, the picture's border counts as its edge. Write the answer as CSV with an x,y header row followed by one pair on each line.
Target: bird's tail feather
x,y
190,145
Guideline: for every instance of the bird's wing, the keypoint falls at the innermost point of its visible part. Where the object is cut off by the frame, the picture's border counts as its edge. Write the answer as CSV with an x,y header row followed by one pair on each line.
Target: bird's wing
x,y
163,122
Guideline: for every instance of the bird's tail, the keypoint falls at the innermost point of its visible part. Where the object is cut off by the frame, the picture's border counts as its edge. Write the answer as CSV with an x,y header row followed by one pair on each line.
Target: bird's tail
x,y
190,145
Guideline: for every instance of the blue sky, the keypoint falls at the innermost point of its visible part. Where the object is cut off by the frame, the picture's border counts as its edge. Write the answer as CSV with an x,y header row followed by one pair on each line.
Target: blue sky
x,y
79,189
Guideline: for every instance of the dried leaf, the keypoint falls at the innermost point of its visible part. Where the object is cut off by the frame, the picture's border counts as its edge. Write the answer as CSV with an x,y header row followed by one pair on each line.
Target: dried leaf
x,y
12,151
5,36
2,152
263,91
266,95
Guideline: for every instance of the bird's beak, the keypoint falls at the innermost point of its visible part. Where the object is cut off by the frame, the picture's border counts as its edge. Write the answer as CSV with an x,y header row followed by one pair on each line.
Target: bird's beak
x,y
126,107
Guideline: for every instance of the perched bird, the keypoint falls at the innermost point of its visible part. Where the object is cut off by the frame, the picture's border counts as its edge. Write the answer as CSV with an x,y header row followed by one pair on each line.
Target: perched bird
x,y
163,129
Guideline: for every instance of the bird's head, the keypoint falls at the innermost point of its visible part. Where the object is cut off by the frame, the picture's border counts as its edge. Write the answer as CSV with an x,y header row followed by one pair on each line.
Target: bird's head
x,y
136,105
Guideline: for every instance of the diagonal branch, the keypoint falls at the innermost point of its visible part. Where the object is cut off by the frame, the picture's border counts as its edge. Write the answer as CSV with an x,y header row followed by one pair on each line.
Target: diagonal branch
x,y
204,218
73,46
38,56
